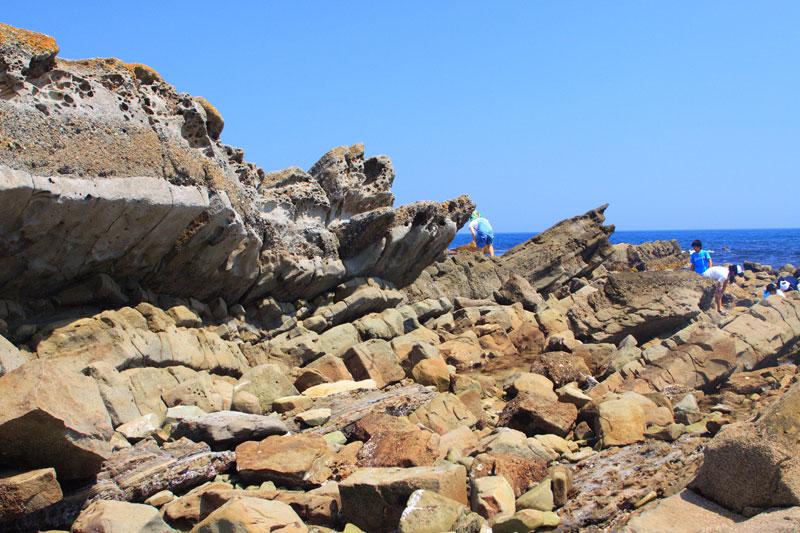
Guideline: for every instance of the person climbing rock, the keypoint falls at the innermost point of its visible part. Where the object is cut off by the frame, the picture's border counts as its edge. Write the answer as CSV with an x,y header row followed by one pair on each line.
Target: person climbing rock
x,y
482,233
722,276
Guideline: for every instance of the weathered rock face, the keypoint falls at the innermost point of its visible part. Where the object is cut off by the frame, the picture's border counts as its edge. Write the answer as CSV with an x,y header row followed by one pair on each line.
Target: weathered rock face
x,y
28,492
655,255
106,168
136,473
758,458
106,517
572,248
51,416
374,498
642,304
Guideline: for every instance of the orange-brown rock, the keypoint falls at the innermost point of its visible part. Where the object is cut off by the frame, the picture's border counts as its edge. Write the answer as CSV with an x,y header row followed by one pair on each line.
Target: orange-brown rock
x,y
520,472
299,460
533,415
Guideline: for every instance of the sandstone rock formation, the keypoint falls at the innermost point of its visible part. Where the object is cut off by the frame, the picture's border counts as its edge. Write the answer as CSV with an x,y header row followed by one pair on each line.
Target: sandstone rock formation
x,y
188,342
140,187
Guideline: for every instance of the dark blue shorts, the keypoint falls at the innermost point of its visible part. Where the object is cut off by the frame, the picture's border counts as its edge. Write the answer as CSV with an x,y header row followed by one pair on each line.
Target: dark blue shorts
x,y
483,239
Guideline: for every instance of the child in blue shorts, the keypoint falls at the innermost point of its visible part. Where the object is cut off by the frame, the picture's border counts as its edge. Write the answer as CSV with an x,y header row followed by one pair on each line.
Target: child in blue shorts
x,y
482,233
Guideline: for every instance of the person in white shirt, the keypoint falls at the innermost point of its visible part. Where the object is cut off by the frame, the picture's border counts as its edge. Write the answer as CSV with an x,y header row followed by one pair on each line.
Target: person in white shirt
x,y
722,276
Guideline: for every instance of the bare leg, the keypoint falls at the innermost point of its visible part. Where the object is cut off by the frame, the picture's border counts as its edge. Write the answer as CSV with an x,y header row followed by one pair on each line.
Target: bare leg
x,y
491,250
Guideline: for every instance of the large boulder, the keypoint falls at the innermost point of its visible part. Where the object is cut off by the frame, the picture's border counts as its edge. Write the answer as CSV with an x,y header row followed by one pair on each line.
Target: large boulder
x,y
251,515
758,458
93,195
429,512
654,255
620,422
138,472
642,304
117,517
225,429
50,415
572,248
533,414
374,498
299,460
266,383
27,492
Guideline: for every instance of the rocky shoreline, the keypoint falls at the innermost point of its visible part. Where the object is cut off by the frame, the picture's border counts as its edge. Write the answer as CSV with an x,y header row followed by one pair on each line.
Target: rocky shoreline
x,y
189,343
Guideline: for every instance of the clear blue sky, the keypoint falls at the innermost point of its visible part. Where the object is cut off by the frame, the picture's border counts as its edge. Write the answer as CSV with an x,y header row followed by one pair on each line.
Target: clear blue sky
x,y
680,114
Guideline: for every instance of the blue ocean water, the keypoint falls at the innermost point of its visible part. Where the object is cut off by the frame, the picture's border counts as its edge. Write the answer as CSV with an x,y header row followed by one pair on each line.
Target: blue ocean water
x,y
774,247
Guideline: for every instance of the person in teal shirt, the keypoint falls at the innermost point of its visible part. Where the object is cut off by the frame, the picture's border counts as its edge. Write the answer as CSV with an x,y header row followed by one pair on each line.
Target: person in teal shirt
x,y
700,259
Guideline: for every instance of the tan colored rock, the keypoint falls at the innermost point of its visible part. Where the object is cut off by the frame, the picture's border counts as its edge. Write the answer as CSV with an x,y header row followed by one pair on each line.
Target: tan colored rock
x,y
24,493
183,317
526,520
252,515
388,490
314,417
528,338
327,369
539,498
140,428
265,382
758,458
461,438
492,497
110,516
160,499
642,304
299,460
429,512
115,391
432,372
620,422
199,391
328,389
683,512
157,319
50,415
536,384
374,359
444,413
561,483
184,511
464,352
292,403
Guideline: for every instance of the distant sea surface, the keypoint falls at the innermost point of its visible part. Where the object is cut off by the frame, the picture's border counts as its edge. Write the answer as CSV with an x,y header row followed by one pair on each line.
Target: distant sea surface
x,y
774,247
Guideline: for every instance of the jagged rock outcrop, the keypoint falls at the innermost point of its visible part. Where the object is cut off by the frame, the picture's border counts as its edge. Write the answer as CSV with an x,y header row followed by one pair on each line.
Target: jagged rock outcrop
x,y
106,168
642,304
572,248
655,255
